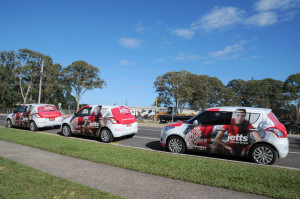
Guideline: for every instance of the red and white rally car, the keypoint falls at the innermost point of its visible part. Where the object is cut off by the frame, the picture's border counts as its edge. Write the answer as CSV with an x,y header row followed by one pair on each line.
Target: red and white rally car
x,y
106,122
240,131
34,116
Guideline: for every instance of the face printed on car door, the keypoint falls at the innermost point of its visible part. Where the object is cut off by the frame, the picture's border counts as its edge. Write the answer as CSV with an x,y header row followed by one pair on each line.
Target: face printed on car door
x,y
78,120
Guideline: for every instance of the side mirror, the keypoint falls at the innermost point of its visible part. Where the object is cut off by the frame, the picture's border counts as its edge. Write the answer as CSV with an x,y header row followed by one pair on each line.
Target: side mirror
x,y
195,123
14,111
75,114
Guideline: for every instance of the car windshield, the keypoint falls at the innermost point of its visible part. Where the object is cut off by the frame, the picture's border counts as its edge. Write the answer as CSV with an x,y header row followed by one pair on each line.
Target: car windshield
x,y
192,119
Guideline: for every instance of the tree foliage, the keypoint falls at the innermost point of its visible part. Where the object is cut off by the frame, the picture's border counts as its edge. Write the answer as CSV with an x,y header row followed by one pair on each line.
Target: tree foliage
x,y
20,75
172,89
82,77
199,92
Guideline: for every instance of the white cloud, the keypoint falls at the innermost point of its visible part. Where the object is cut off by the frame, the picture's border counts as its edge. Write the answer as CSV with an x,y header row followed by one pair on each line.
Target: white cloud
x,y
159,60
220,18
263,19
266,12
184,33
208,62
139,28
228,51
266,5
185,57
130,43
124,63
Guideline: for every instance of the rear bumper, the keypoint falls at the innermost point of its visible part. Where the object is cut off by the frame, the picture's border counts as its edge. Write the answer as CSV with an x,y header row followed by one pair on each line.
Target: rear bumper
x,y
46,122
282,146
119,130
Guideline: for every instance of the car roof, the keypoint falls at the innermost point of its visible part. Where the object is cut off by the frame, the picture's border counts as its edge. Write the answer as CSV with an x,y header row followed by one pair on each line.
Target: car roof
x,y
233,108
36,104
107,106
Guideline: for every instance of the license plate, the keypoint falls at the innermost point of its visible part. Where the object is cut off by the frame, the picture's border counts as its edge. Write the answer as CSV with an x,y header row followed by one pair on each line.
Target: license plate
x,y
51,118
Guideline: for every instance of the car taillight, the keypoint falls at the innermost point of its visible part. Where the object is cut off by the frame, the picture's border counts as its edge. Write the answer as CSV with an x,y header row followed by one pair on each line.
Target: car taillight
x,y
277,132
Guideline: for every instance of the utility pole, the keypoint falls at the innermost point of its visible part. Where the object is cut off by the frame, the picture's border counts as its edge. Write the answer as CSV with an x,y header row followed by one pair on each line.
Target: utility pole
x,y
41,80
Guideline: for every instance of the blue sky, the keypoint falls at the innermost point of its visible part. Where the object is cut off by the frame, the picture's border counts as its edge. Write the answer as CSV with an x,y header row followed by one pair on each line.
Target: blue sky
x,y
132,42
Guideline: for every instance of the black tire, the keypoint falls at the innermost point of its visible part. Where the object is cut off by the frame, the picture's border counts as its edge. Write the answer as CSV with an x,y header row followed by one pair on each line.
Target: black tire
x,y
32,126
66,131
263,154
293,130
9,123
106,135
176,145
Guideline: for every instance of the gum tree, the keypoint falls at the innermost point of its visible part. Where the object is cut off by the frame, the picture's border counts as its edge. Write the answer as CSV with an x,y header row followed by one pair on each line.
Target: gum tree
x,y
82,76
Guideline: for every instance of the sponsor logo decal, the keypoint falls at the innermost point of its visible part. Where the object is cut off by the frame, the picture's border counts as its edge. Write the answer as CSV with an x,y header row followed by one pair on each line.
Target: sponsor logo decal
x,y
238,139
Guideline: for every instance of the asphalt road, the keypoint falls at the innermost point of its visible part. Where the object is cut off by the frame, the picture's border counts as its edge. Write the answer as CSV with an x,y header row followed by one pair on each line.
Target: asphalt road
x,y
148,137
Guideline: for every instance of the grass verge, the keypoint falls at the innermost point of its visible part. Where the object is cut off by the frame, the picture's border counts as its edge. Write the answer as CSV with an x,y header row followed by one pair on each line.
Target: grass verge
x,y
256,179
20,181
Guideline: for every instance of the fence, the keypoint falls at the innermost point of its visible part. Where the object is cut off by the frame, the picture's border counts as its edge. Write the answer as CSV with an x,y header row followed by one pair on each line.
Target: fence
x,y
6,111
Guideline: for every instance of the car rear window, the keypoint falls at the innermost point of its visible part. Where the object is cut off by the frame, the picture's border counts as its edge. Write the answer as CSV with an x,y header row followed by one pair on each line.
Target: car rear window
x,y
123,115
273,118
47,108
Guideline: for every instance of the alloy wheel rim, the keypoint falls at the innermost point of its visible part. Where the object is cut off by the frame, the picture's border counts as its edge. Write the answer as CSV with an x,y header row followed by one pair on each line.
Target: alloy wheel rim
x,y
105,135
66,131
175,145
31,126
263,155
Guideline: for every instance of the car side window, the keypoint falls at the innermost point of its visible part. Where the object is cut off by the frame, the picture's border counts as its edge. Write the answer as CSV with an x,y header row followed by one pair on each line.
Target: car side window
x,y
254,117
85,112
21,109
214,118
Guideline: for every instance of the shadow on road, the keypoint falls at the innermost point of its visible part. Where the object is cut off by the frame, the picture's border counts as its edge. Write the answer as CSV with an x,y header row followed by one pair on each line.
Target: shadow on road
x,y
155,145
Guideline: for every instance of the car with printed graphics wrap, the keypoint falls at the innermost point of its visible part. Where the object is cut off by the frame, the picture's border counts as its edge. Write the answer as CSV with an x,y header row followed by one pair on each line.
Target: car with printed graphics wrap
x,y
34,116
105,122
239,131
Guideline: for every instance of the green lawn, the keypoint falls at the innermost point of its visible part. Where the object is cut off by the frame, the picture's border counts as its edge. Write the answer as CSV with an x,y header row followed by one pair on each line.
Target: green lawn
x,y
20,181
257,179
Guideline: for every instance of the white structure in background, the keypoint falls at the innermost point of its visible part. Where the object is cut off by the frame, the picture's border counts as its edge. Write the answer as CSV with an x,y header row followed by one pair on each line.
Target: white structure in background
x,y
150,111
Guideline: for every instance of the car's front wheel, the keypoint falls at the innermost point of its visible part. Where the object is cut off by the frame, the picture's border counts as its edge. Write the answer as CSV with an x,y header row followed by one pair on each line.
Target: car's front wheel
x,y
106,135
263,154
9,123
66,131
32,126
176,145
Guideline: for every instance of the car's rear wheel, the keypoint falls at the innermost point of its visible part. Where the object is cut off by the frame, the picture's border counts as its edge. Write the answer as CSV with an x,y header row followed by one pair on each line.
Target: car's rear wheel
x,y
176,145
293,129
106,135
66,130
32,126
263,154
